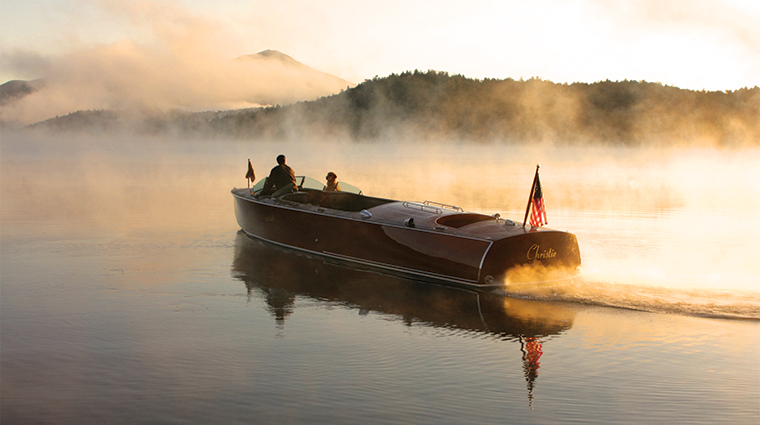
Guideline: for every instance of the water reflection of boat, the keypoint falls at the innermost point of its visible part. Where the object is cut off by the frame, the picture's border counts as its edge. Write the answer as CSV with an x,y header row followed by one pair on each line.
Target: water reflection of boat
x,y
426,240
280,275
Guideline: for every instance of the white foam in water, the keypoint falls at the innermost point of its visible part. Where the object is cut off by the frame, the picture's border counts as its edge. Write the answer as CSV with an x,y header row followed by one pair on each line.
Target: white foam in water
x,y
682,261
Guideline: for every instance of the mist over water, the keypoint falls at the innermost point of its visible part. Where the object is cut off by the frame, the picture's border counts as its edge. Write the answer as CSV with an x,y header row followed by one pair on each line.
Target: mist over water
x,y
130,294
666,230
672,231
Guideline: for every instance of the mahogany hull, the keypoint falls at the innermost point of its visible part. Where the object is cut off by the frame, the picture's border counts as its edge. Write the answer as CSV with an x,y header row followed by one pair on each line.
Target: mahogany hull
x,y
380,240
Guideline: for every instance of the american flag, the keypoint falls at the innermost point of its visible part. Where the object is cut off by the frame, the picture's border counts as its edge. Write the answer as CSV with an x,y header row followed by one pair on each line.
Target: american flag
x,y
538,213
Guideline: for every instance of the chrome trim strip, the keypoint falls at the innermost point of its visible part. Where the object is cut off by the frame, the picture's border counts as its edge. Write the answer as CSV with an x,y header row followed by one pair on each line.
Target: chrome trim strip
x,y
483,260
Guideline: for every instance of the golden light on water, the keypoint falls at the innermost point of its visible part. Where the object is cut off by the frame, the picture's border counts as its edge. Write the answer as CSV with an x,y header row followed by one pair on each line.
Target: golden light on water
x,y
680,219
124,250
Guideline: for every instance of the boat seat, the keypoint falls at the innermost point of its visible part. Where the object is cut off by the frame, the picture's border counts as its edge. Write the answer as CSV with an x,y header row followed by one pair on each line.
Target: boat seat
x,y
461,220
300,197
339,201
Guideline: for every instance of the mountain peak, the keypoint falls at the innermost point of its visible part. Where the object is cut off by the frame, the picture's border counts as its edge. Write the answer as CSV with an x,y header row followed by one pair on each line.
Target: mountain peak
x,y
271,55
265,78
16,89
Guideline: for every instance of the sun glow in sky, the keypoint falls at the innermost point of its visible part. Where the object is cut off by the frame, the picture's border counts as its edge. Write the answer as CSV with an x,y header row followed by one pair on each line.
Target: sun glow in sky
x,y
694,44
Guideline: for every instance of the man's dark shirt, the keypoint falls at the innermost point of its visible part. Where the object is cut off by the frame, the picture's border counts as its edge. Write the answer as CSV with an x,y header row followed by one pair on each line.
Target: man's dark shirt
x,y
280,176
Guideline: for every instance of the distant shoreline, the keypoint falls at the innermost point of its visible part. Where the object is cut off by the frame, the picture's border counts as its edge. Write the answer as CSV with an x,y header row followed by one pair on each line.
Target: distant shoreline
x,y
438,106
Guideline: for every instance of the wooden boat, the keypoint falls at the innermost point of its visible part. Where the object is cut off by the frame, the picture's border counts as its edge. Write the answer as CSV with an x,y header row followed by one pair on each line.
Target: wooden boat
x,y
427,240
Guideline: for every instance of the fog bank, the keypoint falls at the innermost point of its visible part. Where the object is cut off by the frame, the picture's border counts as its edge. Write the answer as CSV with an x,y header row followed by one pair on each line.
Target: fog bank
x,y
437,107
186,61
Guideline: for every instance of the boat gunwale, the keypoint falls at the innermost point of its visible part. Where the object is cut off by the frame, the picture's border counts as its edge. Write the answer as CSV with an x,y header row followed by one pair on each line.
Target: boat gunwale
x,y
291,205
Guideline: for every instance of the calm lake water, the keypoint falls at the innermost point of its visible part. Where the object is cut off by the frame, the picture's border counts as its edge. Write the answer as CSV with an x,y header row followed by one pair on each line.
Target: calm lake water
x,y
129,295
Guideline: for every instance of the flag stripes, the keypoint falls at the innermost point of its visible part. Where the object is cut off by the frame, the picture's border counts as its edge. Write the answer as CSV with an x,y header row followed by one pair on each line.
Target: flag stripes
x,y
538,213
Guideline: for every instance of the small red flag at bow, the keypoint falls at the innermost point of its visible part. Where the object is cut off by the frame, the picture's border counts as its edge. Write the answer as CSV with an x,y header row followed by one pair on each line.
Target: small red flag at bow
x,y
250,175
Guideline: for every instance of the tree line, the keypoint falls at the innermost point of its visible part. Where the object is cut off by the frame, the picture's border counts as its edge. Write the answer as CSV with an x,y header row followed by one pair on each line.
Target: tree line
x,y
437,106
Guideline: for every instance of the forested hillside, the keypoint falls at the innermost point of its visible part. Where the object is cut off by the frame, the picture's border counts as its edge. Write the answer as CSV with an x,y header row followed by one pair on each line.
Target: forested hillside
x,y
438,106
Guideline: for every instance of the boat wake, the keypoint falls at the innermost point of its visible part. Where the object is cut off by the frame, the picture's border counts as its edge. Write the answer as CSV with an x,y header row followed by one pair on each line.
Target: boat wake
x,y
726,304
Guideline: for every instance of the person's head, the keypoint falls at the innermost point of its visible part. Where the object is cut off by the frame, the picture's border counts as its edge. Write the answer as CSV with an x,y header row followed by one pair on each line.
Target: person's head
x,y
281,159
331,176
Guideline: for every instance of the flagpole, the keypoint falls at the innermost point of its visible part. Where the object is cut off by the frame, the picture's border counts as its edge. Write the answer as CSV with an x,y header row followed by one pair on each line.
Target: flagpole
x,y
532,190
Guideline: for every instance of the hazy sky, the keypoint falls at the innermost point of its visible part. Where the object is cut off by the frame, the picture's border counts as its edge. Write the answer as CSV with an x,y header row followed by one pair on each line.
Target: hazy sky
x,y
695,44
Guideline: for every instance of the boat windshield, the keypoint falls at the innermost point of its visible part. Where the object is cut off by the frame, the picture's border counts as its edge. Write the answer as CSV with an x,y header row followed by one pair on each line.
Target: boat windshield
x,y
347,187
305,182
259,185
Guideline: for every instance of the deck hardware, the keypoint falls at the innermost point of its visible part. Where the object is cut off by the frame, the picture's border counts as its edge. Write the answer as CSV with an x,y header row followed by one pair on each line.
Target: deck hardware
x,y
422,207
451,207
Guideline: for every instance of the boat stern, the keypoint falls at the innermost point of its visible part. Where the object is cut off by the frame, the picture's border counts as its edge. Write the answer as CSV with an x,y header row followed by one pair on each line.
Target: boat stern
x,y
535,256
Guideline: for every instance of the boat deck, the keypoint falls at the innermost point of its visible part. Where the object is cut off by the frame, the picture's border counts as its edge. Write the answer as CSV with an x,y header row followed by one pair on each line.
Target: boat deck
x,y
421,215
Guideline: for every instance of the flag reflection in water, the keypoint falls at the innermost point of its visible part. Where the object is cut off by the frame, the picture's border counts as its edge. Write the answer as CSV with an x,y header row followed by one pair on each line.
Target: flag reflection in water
x,y
531,348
